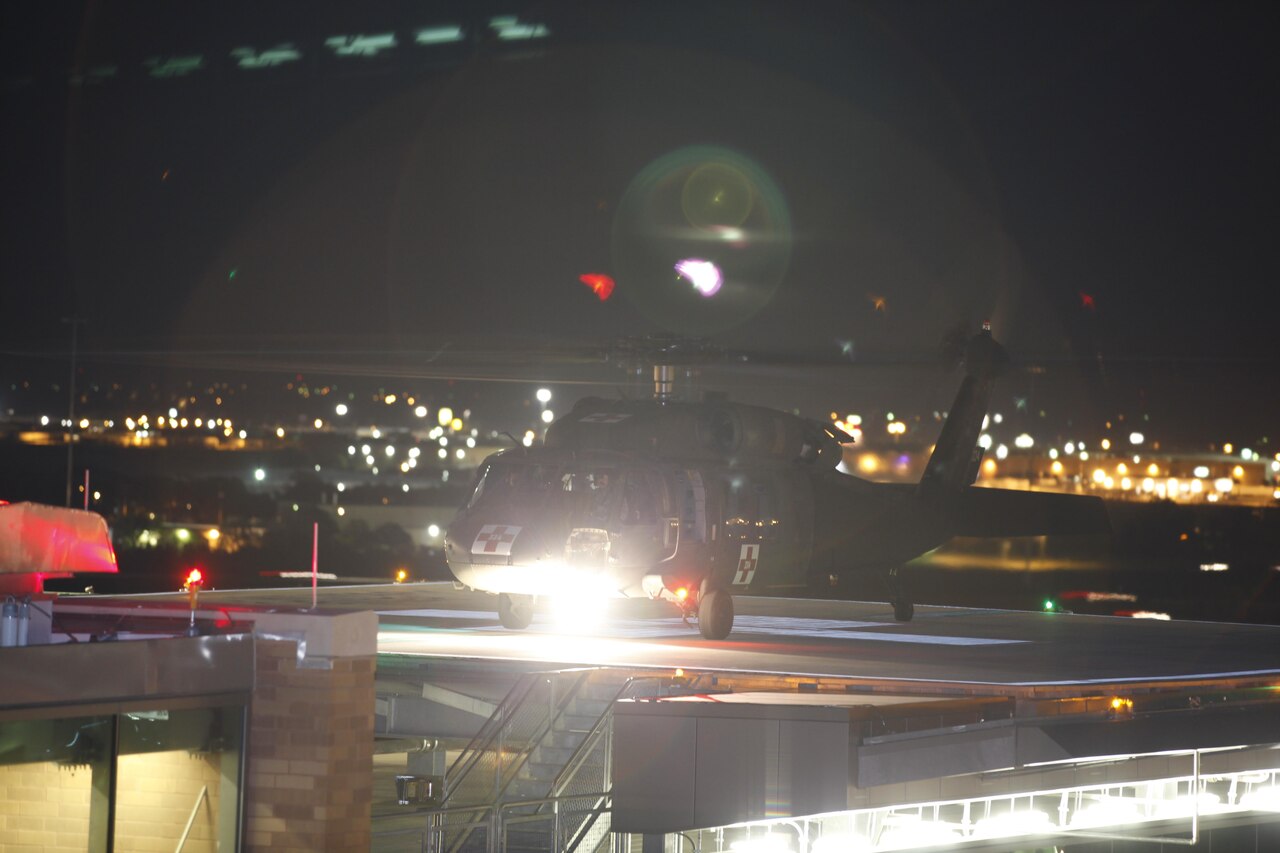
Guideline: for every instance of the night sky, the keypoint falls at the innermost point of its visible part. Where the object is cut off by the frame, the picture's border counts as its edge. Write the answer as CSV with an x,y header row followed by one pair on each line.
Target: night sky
x,y
1099,180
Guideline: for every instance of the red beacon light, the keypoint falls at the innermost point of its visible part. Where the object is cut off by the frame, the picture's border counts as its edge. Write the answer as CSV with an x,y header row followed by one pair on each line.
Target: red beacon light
x,y
601,285
195,580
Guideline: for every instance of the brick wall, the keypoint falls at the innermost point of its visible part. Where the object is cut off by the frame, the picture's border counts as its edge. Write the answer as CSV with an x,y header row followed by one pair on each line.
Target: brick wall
x,y
309,776
44,807
155,795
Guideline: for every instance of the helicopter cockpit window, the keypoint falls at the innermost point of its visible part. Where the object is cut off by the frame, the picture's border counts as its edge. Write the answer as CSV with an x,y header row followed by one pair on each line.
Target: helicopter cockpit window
x,y
546,485
478,493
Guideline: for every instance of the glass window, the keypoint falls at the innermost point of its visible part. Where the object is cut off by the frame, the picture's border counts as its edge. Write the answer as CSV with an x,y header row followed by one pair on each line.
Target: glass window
x,y
174,776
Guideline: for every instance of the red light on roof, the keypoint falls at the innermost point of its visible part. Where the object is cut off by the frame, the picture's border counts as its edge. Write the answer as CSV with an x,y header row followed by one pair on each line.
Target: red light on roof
x,y
601,285
194,578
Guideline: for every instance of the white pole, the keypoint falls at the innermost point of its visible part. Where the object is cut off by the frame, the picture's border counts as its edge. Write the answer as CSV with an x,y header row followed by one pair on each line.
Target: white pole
x,y
315,560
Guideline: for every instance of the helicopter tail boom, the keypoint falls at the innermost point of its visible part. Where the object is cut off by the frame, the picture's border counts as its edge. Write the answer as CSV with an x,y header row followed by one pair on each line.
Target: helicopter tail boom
x,y
985,512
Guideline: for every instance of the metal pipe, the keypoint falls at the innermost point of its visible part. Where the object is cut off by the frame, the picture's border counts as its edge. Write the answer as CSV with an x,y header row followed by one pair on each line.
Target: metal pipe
x,y
204,792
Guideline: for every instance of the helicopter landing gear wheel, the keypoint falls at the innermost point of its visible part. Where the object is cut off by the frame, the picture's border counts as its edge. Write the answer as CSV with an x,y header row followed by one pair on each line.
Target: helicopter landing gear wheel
x,y
515,612
903,609
715,613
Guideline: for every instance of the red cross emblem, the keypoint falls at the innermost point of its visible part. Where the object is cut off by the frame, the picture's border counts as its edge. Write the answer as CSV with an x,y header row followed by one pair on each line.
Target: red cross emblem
x,y
495,539
747,562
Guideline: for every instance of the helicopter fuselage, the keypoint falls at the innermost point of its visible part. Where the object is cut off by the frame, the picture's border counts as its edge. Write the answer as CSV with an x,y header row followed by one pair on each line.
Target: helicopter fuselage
x,y
697,502
756,507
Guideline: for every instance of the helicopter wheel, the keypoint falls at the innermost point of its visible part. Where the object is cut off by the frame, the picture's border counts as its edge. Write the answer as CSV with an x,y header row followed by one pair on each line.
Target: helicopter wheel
x,y
715,614
515,612
903,609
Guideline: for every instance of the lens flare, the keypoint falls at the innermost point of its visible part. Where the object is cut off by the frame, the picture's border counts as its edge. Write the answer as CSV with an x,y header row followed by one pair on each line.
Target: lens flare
x,y
721,212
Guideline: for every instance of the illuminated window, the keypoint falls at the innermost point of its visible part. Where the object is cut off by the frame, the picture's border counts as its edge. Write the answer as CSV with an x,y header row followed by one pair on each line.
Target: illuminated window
x,y
364,46
510,28
250,59
438,35
173,66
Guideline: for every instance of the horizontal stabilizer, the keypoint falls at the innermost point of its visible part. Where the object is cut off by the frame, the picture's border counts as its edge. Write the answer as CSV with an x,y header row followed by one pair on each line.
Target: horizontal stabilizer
x,y
1005,512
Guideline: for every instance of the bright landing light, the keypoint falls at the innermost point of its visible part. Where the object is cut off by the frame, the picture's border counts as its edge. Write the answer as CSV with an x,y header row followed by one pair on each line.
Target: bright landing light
x,y
577,611
703,275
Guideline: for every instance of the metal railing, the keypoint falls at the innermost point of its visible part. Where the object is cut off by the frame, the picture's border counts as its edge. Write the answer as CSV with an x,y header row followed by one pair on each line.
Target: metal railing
x,y
574,808
486,767
551,824
590,769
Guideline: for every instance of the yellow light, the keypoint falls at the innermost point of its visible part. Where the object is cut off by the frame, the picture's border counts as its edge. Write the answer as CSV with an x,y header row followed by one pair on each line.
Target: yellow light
x,y
1099,476
1119,703
318,423
1056,468
1122,469
1228,448
455,424
682,593
390,399
445,415
279,432
679,672
402,575
1237,472
1106,444
989,467
868,463
1153,470
212,534
1126,484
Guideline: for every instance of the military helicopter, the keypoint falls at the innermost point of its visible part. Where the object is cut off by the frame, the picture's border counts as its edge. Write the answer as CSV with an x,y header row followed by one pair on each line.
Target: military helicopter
x,y
693,503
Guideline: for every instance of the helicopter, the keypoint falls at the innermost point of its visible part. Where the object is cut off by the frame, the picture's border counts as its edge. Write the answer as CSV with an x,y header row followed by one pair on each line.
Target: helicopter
x,y
696,502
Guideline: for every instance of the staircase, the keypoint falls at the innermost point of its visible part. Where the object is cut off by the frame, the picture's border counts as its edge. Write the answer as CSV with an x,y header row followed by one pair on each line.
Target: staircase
x,y
546,741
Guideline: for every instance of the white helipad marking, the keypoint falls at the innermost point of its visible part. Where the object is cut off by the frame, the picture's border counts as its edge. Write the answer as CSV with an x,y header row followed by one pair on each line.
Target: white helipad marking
x,y
443,614
827,629
835,629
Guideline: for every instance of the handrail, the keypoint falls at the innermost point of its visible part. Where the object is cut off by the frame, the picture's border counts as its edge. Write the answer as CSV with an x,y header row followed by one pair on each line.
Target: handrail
x,y
435,826
588,742
504,777
489,730
489,742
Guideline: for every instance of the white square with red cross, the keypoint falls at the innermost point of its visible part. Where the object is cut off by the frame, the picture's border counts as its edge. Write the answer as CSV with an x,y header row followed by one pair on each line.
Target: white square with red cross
x,y
748,559
495,539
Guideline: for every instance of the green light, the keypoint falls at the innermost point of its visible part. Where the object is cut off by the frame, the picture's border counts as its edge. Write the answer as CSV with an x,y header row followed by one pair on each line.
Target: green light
x,y
1048,604
231,275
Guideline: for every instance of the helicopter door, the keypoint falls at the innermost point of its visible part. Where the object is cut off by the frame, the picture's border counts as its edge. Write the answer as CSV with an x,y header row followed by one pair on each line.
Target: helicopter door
x,y
693,506
642,511
758,542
